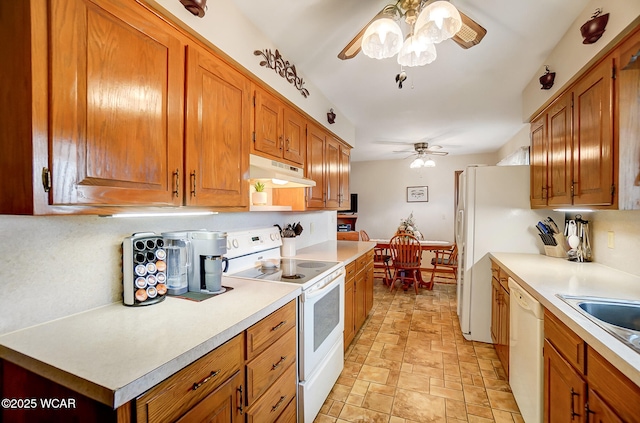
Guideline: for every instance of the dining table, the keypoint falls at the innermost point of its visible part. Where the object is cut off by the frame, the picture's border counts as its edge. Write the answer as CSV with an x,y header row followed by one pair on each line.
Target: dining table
x,y
425,245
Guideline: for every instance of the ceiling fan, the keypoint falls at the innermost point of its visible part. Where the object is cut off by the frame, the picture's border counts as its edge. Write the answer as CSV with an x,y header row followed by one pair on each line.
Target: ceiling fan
x,y
422,151
469,34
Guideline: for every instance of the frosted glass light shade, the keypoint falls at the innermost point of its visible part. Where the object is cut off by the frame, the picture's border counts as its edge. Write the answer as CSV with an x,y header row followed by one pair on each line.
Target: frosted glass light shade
x,y
416,52
418,162
429,163
438,21
382,39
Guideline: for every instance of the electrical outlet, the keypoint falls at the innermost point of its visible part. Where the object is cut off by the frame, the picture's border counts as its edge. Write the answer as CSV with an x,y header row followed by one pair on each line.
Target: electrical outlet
x,y
610,239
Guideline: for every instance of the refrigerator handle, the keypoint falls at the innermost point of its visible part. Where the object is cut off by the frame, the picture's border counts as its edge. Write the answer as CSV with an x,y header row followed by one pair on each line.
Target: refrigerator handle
x,y
458,228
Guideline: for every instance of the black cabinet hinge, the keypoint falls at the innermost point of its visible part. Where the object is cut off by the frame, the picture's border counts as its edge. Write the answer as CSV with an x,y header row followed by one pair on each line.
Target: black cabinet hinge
x,y
613,72
46,179
253,136
613,189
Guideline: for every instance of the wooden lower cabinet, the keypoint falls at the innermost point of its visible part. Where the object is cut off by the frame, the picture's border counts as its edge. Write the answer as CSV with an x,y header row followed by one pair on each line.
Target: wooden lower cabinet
x,y
580,385
221,406
176,395
358,295
500,304
238,382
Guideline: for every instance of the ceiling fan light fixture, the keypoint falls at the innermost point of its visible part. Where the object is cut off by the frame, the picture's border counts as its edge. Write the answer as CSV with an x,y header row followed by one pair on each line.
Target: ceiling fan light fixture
x,y
429,163
416,163
438,21
382,39
416,52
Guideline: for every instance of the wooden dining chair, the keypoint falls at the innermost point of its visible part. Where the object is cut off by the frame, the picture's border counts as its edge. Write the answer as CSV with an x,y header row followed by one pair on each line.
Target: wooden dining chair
x,y
406,254
381,260
445,261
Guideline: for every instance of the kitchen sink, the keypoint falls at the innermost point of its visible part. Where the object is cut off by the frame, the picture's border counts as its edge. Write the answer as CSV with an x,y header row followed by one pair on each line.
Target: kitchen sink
x,y
621,318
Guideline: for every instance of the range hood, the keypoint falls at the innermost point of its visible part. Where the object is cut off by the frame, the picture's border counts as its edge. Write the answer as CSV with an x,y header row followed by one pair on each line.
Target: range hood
x,y
275,174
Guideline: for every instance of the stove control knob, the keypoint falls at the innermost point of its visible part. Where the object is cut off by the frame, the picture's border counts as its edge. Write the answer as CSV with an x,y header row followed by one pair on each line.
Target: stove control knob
x,y
235,243
273,237
228,244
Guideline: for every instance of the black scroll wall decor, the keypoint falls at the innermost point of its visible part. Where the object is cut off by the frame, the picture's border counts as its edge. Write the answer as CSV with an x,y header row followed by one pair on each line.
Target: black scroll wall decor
x,y
282,68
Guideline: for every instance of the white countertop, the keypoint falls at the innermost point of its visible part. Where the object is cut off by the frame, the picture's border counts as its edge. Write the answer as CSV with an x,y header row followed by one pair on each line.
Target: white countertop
x,y
114,353
544,277
344,251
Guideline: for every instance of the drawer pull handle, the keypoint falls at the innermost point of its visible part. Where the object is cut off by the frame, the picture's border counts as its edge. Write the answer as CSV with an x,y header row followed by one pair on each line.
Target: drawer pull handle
x,y
241,400
278,326
275,407
206,379
282,359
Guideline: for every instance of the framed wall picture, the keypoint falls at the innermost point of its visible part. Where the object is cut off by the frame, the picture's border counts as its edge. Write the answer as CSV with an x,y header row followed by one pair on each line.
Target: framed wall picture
x,y
417,194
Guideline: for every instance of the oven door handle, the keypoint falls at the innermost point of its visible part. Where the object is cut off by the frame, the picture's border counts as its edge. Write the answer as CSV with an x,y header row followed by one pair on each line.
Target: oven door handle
x,y
317,291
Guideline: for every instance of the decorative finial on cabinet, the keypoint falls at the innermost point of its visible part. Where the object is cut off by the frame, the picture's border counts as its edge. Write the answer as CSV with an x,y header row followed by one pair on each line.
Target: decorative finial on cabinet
x,y
547,79
331,117
197,7
593,29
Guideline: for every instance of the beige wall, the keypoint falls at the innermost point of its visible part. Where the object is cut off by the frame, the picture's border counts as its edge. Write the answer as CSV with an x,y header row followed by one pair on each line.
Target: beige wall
x,y
382,188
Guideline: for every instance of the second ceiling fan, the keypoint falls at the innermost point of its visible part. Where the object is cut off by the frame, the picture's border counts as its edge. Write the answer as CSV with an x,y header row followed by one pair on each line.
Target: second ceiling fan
x,y
429,21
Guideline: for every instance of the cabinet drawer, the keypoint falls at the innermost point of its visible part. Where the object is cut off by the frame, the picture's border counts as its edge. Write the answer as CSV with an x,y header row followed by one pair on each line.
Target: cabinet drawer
x,y
272,327
613,387
222,404
570,345
350,270
270,364
170,399
361,262
289,415
269,407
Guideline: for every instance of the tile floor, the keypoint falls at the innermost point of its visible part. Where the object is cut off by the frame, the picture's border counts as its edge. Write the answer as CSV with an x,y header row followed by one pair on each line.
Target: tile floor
x,y
410,363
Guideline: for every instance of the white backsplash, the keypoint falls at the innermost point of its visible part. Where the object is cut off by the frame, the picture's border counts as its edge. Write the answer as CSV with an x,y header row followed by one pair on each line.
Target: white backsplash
x,y
61,265
625,254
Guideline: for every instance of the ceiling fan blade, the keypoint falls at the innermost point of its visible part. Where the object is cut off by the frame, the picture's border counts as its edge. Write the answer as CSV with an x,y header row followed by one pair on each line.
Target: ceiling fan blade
x,y
437,153
470,34
353,48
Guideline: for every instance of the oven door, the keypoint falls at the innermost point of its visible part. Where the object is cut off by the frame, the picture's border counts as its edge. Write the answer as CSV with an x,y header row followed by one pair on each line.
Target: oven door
x,y
321,322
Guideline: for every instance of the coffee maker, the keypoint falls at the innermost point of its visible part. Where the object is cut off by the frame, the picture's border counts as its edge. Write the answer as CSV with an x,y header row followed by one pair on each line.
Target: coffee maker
x,y
195,261
207,261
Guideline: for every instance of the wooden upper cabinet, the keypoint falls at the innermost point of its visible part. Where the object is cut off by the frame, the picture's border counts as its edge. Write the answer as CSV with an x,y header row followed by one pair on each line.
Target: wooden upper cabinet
x,y
538,159
280,131
116,98
217,132
559,152
332,172
593,138
572,144
345,172
316,139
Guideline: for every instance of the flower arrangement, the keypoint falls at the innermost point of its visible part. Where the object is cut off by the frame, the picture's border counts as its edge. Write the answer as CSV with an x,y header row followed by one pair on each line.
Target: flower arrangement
x,y
408,226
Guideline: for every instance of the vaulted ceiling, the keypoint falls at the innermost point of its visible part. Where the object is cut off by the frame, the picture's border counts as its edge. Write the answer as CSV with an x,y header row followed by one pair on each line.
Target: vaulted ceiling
x,y
468,101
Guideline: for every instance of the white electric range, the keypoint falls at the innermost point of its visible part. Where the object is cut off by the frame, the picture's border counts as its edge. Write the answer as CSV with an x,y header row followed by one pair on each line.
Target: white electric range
x,y
255,254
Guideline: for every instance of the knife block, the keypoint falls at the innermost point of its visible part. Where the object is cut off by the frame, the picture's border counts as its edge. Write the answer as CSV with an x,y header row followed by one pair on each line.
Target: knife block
x,y
559,250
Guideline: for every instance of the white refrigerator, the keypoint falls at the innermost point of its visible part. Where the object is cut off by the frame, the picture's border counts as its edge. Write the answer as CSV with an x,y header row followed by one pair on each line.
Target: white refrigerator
x,y
493,215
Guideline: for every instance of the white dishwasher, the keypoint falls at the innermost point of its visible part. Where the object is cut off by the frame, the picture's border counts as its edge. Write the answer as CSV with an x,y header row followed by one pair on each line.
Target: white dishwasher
x,y
526,338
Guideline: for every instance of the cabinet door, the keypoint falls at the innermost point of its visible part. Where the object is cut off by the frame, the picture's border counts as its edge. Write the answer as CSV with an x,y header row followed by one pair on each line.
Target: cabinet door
x,y
268,117
116,97
559,152
315,166
593,137
538,159
599,411
224,405
504,333
345,170
496,293
332,173
359,293
368,287
564,389
295,138
217,132
349,314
